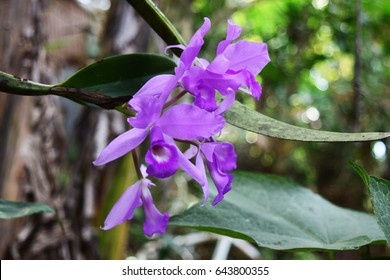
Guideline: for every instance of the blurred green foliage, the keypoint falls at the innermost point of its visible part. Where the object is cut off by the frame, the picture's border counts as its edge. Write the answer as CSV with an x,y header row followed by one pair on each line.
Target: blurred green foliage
x,y
309,83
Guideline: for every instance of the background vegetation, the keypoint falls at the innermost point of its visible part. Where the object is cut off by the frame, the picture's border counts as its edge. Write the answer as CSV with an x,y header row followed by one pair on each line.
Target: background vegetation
x,y
329,71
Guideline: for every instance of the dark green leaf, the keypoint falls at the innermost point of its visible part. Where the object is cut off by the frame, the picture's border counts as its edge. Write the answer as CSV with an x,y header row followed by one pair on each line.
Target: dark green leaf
x,y
380,196
279,214
241,116
14,209
121,75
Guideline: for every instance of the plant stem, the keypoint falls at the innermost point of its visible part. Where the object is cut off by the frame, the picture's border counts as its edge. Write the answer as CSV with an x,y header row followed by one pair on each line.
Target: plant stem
x,y
12,84
330,255
20,86
136,164
174,99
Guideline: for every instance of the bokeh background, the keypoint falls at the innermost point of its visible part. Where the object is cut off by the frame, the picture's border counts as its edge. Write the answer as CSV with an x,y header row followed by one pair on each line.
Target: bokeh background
x,y
329,70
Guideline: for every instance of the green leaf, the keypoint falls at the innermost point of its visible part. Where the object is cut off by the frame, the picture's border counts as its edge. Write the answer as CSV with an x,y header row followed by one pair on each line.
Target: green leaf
x,y
241,116
121,75
279,214
380,197
14,209
158,22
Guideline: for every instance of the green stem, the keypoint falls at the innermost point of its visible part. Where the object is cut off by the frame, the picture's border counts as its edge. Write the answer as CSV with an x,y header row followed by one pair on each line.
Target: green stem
x,y
20,86
15,85
330,255
174,99
158,22
136,164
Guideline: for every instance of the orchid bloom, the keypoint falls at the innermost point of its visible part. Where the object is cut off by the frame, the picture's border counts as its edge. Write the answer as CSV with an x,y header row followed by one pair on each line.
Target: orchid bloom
x,y
134,197
234,68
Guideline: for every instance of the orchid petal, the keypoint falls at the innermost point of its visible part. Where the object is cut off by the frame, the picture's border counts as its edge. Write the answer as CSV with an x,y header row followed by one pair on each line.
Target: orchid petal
x,y
178,46
233,32
124,208
219,65
148,111
187,165
191,169
154,86
121,145
252,56
155,222
195,44
185,121
191,152
226,156
226,103
161,156
205,187
222,181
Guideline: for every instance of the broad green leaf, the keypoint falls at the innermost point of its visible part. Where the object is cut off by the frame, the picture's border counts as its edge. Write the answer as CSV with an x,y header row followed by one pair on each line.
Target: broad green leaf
x,y
14,209
241,116
380,197
279,214
121,75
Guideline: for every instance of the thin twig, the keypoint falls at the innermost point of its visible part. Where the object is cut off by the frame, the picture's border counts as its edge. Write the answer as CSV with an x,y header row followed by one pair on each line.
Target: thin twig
x,y
357,83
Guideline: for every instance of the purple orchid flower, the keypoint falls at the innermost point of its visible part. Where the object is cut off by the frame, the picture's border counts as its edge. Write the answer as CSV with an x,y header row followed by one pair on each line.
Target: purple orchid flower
x,y
134,197
234,67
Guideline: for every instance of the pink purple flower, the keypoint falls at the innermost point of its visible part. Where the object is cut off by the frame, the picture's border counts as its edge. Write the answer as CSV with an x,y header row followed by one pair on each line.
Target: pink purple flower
x,y
234,68
135,196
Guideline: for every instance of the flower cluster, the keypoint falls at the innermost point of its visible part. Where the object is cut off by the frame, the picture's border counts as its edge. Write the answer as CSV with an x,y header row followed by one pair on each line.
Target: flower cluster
x,y
234,68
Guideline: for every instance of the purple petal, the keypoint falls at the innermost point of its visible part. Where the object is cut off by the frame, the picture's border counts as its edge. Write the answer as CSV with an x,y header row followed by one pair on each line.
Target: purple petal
x,y
222,153
222,181
161,157
195,44
178,46
252,56
124,208
191,169
187,165
155,222
191,152
226,103
233,32
221,158
205,187
185,121
226,156
198,79
169,87
219,65
121,145
148,111
154,86
205,98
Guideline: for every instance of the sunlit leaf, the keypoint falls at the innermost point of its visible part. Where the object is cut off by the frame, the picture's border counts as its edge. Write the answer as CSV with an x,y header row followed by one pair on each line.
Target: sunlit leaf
x,y
241,116
380,196
14,209
279,214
